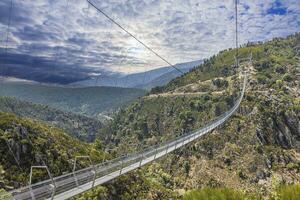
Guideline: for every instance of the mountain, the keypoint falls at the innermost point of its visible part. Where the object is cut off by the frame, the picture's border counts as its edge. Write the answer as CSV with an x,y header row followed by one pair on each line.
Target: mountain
x,y
25,143
78,126
89,101
256,151
144,80
254,155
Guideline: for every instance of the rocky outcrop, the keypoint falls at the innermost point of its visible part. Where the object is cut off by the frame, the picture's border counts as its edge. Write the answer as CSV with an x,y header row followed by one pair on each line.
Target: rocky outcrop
x,y
18,143
287,130
282,130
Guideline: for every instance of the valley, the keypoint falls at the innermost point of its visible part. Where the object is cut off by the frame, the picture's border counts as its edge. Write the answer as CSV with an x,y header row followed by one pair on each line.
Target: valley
x,y
88,101
149,100
256,151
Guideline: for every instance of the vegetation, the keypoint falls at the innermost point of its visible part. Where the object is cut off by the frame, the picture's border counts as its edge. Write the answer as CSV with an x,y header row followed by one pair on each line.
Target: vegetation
x,y
217,194
78,126
286,192
89,101
256,148
259,143
24,143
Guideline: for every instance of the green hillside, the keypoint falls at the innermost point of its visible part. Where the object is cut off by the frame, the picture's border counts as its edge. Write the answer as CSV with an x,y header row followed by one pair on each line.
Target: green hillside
x,y
75,125
24,143
256,151
89,101
254,155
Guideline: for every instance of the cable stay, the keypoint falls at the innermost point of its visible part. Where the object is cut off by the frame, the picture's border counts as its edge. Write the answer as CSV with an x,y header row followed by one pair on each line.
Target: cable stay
x,y
133,36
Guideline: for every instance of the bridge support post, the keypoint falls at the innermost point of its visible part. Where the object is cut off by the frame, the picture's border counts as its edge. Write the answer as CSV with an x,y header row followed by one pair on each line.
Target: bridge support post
x,y
49,174
155,153
167,148
93,166
141,159
122,162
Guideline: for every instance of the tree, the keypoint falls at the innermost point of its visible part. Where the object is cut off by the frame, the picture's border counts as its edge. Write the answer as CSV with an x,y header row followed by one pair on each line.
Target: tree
x,y
186,167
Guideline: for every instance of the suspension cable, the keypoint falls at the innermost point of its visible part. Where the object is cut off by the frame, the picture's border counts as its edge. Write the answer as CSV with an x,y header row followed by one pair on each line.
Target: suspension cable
x,y
133,36
7,36
8,25
236,29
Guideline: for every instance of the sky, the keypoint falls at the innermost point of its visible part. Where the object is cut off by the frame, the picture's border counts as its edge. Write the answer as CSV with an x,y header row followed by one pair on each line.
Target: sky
x,y
68,40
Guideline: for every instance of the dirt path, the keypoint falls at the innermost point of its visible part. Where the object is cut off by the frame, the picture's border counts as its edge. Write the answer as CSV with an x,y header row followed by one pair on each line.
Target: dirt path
x,y
190,94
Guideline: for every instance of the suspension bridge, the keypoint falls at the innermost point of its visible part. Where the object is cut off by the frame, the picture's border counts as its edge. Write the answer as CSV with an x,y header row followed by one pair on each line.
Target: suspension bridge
x,y
78,181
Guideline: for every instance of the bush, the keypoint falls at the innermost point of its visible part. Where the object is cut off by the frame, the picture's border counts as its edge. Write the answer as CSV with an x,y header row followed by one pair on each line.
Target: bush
x,y
262,79
279,84
288,192
216,194
220,83
196,105
287,77
279,69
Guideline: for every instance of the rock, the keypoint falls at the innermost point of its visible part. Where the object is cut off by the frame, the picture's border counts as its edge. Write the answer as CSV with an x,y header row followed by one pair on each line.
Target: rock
x,y
227,161
283,135
37,158
2,184
24,148
261,137
260,175
22,131
252,168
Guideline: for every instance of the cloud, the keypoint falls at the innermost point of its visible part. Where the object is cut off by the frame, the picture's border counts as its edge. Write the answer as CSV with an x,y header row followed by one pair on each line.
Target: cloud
x,y
75,35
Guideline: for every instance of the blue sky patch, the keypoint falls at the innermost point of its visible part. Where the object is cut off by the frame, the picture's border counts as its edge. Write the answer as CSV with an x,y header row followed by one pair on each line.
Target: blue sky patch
x,y
277,9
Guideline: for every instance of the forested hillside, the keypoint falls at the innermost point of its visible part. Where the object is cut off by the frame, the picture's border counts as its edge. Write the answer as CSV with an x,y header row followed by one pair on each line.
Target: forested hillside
x,y
78,126
254,155
89,101
256,151
25,143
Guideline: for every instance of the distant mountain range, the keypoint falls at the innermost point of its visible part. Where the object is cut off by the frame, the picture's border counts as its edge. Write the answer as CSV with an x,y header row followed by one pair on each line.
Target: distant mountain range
x,y
89,101
145,80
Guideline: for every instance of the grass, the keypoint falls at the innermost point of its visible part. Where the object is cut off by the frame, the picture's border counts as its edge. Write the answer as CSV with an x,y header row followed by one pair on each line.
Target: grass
x,y
217,194
286,192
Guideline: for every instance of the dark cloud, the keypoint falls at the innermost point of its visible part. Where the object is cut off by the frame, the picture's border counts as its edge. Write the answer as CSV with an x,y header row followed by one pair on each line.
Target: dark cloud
x,y
42,69
65,41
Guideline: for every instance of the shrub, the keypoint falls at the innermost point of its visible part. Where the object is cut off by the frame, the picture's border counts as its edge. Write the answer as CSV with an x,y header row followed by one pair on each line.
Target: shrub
x,y
287,77
287,192
279,84
220,83
279,69
216,194
262,79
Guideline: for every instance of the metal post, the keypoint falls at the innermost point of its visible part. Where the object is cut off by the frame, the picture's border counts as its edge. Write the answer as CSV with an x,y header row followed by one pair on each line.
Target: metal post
x,y
141,159
155,153
49,174
92,165
167,148
122,161
73,171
